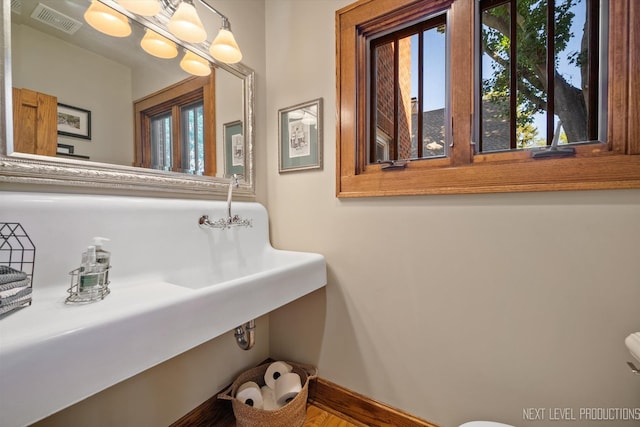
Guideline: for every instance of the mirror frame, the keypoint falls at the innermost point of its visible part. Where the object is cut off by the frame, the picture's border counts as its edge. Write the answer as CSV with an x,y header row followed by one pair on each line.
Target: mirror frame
x,y
32,169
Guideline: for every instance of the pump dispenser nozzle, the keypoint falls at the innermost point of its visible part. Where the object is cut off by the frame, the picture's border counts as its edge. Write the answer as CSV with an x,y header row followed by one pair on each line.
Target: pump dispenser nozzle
x,y
97,241
103,259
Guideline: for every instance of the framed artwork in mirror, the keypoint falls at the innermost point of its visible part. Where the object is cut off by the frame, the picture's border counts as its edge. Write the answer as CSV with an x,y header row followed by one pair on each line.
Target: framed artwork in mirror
x,y
74,121
300,136
233,148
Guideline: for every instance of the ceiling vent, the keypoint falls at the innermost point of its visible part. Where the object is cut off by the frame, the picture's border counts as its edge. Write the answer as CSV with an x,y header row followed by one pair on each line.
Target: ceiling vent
x,y
57,20
16,7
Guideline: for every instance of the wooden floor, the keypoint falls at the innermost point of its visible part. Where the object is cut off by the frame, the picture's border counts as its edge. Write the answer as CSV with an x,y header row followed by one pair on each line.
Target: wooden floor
x,y
317,417
328,405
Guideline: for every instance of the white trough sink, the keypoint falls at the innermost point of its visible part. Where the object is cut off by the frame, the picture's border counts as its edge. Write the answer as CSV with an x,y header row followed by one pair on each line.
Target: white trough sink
x,y
170,292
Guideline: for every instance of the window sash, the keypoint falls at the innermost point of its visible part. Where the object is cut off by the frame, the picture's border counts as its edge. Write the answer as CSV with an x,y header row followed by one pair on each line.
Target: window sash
x,y
606,165
171,100
394,40
594,105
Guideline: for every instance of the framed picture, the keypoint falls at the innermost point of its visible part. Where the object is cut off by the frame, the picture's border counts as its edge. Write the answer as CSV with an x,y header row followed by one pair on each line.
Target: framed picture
x,y
65,149
74,121
233,148
300,136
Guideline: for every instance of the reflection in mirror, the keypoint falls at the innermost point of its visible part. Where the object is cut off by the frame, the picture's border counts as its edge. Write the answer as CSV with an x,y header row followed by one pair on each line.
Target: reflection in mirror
x,y
99,78
95,72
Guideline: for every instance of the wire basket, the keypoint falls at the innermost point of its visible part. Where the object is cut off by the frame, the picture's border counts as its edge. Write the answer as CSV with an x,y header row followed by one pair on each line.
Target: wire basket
x,y
80,292
17,261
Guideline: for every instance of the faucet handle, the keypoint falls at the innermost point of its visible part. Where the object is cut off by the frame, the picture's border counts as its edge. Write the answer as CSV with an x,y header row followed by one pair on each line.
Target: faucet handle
x,y
236,179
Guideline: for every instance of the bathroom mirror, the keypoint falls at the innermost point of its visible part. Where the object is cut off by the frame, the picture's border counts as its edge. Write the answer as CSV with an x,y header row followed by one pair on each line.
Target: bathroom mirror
x,y
45,59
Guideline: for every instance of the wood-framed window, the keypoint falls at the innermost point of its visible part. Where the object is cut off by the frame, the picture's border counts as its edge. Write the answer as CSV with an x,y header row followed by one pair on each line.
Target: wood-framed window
x,y
610,162
175,128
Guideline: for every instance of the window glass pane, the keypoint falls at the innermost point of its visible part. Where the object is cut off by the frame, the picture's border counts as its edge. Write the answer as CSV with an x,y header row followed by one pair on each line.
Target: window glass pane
x,y
193,138
161,141
383,99
434,92
531,73
495,74
572,63
404,97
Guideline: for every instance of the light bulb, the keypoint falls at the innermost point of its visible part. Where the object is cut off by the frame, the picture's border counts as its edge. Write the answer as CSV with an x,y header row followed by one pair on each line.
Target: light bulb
x,y
157,45
186,25
224,48
194,64
106,20
141,7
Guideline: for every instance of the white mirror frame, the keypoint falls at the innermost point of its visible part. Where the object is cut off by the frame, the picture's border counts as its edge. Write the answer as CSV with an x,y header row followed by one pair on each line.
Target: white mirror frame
x,y
19,168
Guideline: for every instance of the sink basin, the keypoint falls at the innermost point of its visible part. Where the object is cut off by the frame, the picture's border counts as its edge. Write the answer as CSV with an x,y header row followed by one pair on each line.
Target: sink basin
x,y
270,263
162,304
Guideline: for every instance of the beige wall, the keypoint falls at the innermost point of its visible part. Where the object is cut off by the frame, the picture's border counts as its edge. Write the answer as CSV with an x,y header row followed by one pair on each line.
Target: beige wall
x,y
491,303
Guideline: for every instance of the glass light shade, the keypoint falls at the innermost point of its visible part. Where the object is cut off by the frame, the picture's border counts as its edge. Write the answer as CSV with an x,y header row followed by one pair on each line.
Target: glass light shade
x,y
157,45
141,7
194,64
107,20
224,48
186,25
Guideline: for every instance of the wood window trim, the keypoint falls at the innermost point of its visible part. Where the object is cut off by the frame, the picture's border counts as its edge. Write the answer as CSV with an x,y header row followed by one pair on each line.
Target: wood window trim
x,y
611,165
172,98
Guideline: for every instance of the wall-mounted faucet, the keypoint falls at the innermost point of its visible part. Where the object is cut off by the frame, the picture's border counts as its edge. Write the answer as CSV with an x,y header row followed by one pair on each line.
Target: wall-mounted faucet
x,y
230,220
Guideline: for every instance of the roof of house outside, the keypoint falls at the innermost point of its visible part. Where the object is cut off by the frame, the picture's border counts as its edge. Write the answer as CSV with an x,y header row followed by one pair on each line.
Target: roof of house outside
x,y
495,128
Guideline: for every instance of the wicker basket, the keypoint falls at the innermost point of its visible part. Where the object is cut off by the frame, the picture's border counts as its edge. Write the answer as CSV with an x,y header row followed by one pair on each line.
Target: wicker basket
x,y
293,414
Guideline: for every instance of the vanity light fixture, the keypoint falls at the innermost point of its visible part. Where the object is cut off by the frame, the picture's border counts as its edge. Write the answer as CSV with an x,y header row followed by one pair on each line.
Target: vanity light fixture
x,y
157,45
224,47
106,20
186,24
141,7
194,64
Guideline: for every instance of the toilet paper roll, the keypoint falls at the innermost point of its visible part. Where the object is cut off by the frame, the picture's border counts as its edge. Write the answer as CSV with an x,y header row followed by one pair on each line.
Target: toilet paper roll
x,y
247,385
274,371
269,399
250,395
287,388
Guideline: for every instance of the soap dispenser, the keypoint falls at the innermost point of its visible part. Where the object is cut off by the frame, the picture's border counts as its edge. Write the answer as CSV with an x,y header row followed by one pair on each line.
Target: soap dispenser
x,y
90,281
89,270
103,259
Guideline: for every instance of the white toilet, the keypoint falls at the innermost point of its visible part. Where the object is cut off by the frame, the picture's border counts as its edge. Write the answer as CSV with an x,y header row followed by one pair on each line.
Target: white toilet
x,y
484,424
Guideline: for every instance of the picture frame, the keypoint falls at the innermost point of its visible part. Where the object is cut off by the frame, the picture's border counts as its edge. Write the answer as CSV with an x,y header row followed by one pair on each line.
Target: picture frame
x,y
300,136
74,121
65,149
234,149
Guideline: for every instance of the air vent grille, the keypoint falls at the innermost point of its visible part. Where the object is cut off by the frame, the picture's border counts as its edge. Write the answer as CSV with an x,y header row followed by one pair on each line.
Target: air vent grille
x,y
52,17
16,7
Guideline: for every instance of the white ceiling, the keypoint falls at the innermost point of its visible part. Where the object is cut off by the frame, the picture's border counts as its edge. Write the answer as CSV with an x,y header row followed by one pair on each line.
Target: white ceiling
x,y
124,50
